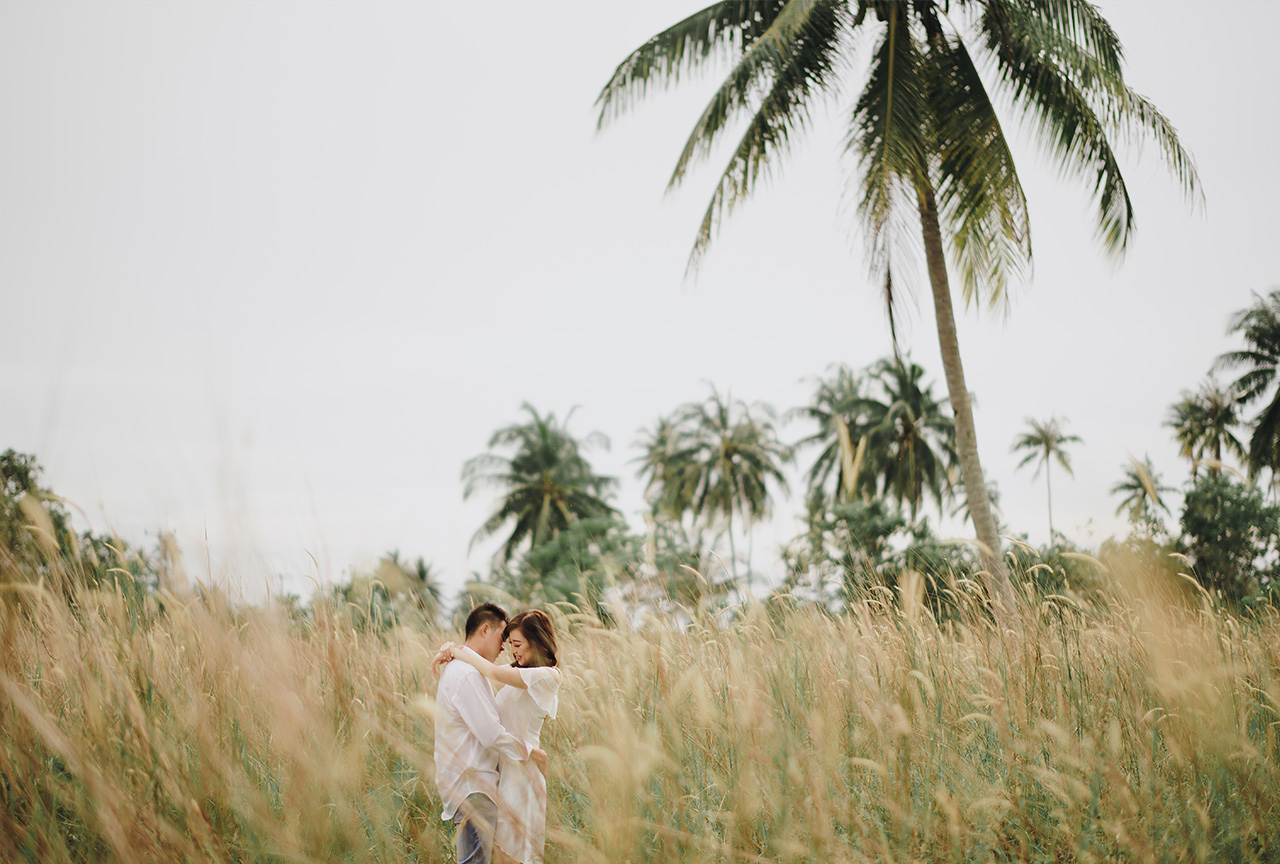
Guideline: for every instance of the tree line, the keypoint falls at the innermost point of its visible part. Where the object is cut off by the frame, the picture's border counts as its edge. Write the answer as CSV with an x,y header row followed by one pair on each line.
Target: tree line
x,y
880,460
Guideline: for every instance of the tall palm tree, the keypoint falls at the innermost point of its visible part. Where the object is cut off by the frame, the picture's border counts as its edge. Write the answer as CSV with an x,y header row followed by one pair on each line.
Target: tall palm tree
x,y
722,457
925,134
1142,490
913,440
1260,327
545,485
1202,424
1043,442
841,410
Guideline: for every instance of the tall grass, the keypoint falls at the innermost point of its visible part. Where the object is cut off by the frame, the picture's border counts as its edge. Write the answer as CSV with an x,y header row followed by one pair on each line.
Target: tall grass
x,y
203,733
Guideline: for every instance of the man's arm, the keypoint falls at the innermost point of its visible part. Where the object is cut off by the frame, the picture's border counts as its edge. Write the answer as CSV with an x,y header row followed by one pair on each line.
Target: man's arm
x,y
480,715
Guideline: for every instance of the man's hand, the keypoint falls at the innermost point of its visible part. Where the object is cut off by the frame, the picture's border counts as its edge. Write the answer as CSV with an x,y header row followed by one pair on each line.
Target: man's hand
x,y
539,758
443,656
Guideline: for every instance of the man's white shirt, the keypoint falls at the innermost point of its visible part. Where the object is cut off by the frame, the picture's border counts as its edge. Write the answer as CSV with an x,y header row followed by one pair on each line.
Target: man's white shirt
x,y
469,737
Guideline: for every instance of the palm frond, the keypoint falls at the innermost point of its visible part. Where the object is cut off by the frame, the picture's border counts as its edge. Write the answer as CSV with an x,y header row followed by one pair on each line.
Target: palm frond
x,y
1080,23
1264,443
718,32
980,198
796,60
1066,124
888,138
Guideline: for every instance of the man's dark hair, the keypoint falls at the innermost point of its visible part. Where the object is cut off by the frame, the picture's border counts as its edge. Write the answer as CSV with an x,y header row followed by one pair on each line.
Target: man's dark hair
x,y
485,613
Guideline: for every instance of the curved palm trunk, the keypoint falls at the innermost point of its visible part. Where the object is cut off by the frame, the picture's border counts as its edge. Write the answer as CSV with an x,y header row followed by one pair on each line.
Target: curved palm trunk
x,y
975,485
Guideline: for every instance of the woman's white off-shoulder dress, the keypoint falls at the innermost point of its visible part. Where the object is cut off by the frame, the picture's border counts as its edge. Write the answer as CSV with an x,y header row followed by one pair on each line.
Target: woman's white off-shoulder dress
x,y
522,790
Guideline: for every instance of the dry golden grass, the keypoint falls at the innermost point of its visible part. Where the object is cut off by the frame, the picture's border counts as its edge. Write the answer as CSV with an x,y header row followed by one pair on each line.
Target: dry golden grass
x,y
1146,733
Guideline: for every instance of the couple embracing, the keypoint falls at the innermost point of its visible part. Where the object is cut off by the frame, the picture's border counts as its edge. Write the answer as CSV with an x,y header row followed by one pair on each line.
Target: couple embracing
x,y
490,767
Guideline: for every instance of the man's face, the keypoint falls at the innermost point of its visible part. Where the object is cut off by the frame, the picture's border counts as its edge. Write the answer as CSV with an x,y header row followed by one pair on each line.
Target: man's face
x,y
489,640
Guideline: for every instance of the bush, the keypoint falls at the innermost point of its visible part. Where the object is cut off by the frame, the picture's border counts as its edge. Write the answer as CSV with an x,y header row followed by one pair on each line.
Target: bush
x,y
1231,535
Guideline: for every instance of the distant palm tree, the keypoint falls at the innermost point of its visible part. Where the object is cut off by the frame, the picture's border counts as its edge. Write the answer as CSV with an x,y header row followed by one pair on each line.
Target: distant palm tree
x,y
722,457
545,485
1260,359
1043,442
1202,424
1142,490
882,432
420,578
925,133
912,445
841,410
430,591
668,467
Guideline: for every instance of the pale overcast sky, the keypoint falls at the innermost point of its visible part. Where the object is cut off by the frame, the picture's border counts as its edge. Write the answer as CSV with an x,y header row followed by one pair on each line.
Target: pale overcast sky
x,y
271,272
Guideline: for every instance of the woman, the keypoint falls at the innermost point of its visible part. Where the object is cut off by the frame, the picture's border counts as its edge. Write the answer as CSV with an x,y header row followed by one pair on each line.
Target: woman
x,y
531,695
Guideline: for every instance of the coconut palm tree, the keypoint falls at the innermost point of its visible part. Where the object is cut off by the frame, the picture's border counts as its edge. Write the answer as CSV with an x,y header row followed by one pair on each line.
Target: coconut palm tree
x,y
716,459
1043,442
841,410
1142,490
1260,327
1202,424
925,133
545,485
668,467
912,445
419,579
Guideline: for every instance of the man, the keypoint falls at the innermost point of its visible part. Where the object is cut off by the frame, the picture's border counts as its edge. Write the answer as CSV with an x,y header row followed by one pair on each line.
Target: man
x,y
470,737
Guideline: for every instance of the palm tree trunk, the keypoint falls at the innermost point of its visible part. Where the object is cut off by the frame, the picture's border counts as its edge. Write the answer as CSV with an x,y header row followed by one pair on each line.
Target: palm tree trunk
x,y
733,549
1048,469
975,485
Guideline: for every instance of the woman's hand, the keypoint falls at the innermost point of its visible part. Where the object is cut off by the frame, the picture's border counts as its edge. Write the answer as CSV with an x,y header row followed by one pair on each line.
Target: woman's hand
x,y
443,656
539,758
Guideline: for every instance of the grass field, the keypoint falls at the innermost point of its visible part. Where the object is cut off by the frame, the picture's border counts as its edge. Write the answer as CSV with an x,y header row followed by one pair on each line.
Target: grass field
x,y
1147,732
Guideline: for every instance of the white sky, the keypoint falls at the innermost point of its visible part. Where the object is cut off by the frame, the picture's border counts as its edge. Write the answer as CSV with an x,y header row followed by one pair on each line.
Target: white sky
x,y
271,272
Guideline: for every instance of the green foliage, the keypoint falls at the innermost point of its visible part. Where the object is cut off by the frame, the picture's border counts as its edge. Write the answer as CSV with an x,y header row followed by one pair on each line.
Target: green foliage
x,y
715,460
546,484
912,436
579,566
852,549
923,117
37,542
1233,538
1063,568
117,565
855,547
881,430
680,569
1142,494
840,409
395,593
34,524
1259,360
1203,422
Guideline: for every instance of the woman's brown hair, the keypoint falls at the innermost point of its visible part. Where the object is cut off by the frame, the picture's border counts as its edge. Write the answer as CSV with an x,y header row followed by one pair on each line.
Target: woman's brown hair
x,y
537,631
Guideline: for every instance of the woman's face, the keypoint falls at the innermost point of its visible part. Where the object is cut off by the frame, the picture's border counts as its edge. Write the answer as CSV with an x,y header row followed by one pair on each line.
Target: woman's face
x,y
521,651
